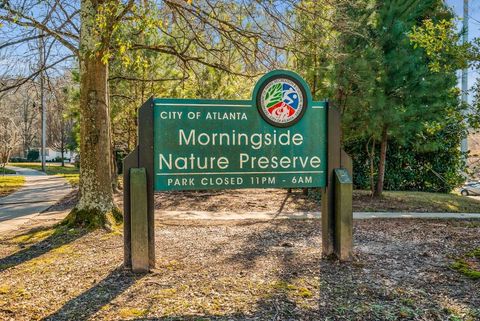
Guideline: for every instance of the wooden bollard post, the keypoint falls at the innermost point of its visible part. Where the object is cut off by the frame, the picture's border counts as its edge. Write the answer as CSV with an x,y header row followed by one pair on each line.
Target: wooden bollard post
x,y
334,149
343,214
139,220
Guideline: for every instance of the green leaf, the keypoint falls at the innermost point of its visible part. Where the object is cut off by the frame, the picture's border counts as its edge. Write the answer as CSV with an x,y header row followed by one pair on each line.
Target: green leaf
x,y
273,95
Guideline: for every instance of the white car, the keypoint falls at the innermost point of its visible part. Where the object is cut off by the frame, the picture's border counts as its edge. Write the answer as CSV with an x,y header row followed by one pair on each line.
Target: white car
x,y
472,188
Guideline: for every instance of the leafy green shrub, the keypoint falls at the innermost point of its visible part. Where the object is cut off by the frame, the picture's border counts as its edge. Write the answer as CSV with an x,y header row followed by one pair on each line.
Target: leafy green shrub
x,y
431,164
18,160
33,155
77,161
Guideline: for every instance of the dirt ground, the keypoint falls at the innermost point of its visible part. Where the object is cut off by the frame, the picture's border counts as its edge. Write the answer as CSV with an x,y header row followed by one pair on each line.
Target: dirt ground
x,y
242,270
280,201
253,200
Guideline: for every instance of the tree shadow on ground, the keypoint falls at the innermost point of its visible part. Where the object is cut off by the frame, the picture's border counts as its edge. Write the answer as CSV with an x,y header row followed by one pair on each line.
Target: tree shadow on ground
x,y
283,240
343,286
88,303
279,304
259,244
59,236
274,308
178,198
235,200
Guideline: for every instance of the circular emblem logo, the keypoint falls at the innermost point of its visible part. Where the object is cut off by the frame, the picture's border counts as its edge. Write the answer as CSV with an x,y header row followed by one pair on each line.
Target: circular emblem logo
x,y
282,101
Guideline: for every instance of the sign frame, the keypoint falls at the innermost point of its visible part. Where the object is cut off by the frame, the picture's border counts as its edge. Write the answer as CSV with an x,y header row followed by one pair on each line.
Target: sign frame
x,y
300,163
143,157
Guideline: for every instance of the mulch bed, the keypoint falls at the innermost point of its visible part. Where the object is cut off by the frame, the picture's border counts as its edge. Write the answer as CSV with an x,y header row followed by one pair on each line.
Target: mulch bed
x,y
241,200
243,270
280,201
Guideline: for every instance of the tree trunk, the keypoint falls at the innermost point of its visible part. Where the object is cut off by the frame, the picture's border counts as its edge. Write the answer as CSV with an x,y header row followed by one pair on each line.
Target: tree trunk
x,y
95,206
381,165
371,157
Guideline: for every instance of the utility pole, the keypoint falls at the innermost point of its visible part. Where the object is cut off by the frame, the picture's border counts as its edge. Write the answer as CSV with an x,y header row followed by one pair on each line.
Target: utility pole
x,y
42,99
464,143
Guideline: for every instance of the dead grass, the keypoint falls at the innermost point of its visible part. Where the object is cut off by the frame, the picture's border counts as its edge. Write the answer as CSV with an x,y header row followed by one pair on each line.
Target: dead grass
x,y
415,202
279,200
242,200
242,270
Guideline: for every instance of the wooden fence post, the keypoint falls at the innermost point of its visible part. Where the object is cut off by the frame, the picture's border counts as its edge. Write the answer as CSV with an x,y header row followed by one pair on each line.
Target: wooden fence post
x,y
139,220
131,161
140,157
145,160
328,193
343,214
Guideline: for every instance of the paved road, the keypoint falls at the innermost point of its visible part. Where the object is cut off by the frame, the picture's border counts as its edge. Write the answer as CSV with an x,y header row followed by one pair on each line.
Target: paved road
x,y
39,193
475,197
204,215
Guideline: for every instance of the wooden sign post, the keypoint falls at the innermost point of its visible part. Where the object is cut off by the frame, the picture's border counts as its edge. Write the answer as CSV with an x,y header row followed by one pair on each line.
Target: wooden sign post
x,y
280,138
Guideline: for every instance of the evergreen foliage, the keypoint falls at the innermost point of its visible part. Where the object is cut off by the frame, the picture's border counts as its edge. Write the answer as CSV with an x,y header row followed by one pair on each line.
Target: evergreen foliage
x,y
399,116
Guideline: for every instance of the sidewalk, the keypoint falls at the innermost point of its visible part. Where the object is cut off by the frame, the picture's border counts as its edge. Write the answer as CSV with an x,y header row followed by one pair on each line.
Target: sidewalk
x,y
39,193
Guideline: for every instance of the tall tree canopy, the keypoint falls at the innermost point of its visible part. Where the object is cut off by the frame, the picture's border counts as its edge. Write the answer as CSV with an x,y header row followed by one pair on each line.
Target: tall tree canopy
x,y
367,57
384,85
97,33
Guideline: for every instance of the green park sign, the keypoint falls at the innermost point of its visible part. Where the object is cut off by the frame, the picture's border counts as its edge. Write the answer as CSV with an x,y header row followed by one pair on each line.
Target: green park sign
x,y
276,139
280,138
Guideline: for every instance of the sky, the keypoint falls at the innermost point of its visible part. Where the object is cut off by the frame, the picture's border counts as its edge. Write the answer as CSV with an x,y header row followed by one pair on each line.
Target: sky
x,y
473,29
457,5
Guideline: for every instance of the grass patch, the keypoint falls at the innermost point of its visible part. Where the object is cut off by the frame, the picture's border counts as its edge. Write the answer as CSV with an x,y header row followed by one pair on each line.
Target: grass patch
x,y
295,289
414,202
72,179
40,234
469,264
132,312
33,236
4,171
69,172
9,184
4,289
93,219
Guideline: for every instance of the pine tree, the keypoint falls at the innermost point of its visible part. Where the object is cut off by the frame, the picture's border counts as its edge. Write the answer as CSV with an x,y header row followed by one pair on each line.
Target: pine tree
x,y
384,83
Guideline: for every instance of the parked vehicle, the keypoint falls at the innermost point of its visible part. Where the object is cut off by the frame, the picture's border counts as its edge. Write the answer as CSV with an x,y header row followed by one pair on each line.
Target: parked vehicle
x,y
471,188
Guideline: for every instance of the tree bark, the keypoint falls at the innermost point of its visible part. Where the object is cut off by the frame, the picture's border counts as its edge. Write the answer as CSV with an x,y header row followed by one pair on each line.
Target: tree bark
x,y
62,142
381,164
371,157
95,186
95,141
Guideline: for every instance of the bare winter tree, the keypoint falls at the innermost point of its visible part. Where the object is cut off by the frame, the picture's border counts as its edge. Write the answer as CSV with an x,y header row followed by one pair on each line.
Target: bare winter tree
x,y
24,101
97,32
59,124
9,138
21,106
